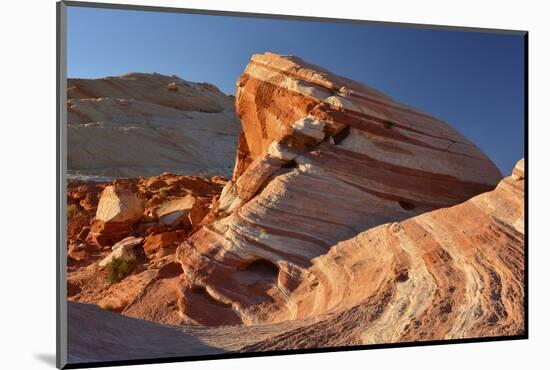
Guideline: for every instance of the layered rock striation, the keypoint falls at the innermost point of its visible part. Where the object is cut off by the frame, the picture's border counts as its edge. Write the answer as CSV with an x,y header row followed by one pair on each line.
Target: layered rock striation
x,y
452,273
321,159
349,219
142,124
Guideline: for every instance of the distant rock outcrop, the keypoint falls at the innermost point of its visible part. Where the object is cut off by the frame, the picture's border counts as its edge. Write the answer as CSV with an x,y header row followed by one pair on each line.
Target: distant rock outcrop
x,y
143,124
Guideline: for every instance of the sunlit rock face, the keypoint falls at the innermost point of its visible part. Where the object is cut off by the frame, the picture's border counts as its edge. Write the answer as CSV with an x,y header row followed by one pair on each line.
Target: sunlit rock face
x,y
349,219
143,124
452,273
321,159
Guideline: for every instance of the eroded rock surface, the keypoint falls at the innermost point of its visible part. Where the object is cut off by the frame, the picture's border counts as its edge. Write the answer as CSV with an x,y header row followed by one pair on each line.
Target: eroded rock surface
x,y
104,336
349,219
321,159
451,273
143,124
95,240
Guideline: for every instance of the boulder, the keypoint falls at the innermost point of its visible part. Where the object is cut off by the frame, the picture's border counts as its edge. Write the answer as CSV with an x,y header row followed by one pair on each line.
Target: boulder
x,y
104,234
128,243
187,210
117,204
117,212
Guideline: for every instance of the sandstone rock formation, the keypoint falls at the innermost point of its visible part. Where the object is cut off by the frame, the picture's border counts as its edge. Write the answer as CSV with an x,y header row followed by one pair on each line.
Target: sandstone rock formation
x,y
143,124
158,242
186,210
349,219
451,273
321,159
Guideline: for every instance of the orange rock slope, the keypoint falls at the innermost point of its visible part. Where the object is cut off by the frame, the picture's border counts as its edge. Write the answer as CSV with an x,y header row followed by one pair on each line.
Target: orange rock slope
x,y
453,273
350,219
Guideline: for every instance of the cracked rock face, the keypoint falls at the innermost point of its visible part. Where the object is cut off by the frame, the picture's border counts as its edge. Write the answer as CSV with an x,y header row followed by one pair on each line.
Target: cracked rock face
x,y
320,160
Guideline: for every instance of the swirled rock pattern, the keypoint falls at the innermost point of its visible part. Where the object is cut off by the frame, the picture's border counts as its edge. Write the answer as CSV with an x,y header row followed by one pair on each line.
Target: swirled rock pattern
x,y
452,273
321,159
349,219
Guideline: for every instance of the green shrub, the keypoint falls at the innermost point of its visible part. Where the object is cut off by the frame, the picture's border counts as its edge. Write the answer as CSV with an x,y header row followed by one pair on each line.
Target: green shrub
x,y
72,210
118,268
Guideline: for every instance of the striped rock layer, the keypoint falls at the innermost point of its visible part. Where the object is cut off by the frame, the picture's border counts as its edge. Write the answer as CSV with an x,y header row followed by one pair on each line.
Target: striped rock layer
x,y
320,160
452,273
448,274
144,124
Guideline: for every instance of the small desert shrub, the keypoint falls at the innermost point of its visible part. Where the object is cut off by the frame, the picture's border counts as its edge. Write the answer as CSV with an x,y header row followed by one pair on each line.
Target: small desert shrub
x,y
118,268
72,210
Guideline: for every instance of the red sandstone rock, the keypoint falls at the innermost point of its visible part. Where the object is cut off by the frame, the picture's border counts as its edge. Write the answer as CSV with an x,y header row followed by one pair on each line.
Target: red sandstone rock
x,y
350,219
107,233
153,243
77,223
77,252
83,234
322,158
453,273
156,229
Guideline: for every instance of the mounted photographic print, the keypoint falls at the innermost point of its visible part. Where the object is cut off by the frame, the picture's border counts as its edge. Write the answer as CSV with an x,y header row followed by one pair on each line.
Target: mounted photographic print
x,y
235,184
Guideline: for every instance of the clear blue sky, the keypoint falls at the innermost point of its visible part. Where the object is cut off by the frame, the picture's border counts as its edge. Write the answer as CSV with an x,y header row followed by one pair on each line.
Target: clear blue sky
x,y
473,81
